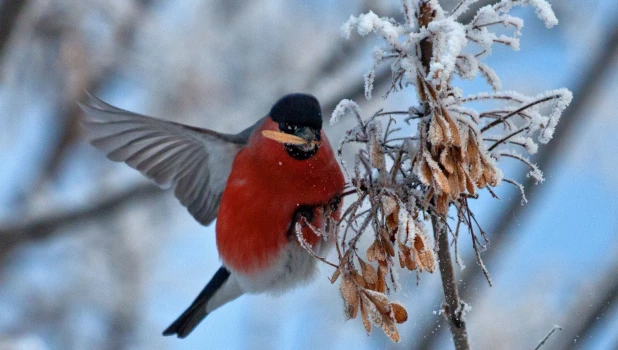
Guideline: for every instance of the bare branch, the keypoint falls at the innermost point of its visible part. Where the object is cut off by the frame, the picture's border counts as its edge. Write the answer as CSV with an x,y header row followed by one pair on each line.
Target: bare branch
x,y
587,88
506,139
544,340
44,226
9,13
517,111
453,306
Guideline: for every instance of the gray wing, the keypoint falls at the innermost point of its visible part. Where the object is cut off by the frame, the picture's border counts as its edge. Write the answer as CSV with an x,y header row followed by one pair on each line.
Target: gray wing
x,y
197,162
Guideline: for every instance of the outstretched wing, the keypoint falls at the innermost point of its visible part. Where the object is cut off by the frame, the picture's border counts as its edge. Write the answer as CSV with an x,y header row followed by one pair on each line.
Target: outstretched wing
x,y
196,161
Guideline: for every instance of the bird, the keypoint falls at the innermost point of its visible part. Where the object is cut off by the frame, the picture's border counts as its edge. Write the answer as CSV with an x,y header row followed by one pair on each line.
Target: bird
x,y
270,187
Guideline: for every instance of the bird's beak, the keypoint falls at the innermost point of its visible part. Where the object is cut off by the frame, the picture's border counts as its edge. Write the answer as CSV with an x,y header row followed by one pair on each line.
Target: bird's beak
x,y
305,137
308,134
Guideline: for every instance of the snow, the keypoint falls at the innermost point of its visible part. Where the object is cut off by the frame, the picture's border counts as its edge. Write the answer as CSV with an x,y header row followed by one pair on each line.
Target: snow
x,y
370,22
342,107
561,104
534,172
378,55
468,66
490,75
543,9
449,40
461,8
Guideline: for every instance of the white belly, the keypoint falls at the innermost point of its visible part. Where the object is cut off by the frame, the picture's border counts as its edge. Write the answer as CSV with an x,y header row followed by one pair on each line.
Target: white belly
x,y
294,267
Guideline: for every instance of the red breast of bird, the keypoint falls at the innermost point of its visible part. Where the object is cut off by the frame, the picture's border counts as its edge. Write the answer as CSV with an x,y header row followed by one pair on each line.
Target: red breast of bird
x,y
264,190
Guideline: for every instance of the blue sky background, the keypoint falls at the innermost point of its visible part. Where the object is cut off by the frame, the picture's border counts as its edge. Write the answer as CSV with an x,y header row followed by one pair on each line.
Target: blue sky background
x,y
563,244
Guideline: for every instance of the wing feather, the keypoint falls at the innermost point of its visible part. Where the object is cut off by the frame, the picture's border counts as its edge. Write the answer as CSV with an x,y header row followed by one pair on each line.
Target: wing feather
x,y
197,162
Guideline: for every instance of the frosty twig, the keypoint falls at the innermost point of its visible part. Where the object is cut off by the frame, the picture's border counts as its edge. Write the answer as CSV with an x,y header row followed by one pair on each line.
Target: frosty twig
x,y
411,179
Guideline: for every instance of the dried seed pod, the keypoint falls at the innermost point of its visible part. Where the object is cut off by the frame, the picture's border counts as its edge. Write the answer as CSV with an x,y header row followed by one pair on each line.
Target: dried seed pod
x,y
390,329
381,283
380,300
373,252
350,295
402,259
481,182
438,176
446,133
335,276
453,181
472,147
376,156
426,257
461,176
364,305
399,312
358,278
385,235
474,157
411,261
417,260
470,184
425,173
389,204
447,160
392,222
387,245
442,181
369,272
459,154
489,173
436,133
452,128
405,229
383,266
402,252
430,90
391,212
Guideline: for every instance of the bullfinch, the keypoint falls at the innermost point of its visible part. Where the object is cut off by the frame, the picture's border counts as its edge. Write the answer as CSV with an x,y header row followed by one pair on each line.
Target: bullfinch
x,y
259,184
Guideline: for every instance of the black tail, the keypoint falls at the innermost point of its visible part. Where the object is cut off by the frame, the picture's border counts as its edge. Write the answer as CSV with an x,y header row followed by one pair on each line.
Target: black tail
x,y
197,311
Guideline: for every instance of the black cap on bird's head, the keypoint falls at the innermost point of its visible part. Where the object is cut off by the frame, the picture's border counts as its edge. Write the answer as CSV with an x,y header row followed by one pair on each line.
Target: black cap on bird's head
x,y
298,110
299,115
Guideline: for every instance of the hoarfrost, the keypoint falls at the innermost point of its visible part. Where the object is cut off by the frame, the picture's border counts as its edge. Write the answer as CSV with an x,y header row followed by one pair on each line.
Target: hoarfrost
x,y
543,9
370,22
461,8
490,75
456,148
342,108
449,40
561,104
467,66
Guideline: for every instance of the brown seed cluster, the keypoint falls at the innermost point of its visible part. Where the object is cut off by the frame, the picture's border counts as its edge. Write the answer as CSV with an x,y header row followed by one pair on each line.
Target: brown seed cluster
x,y
450,161
414,251
359,293
364,283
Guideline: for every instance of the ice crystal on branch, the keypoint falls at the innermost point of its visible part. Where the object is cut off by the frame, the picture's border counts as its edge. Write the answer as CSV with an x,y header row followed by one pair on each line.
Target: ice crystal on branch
x,y
454,153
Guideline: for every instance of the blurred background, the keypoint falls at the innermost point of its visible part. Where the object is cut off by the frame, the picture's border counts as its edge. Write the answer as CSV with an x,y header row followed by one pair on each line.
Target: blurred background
x,y
92,256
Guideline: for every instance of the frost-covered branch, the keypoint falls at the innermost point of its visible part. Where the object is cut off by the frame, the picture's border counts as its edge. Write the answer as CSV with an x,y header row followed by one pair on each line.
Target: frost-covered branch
x,y
407,180
585,91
